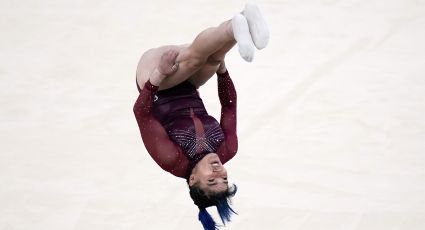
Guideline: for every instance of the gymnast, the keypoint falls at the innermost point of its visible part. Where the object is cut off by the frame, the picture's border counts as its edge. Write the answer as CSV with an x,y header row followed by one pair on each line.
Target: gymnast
x,y
175,127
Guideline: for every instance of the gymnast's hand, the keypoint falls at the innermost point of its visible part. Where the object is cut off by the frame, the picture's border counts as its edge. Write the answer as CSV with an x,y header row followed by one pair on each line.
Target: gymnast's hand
x,y
168,65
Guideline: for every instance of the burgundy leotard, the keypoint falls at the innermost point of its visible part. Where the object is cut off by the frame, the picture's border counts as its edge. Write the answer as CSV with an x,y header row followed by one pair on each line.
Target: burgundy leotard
x,y
177,130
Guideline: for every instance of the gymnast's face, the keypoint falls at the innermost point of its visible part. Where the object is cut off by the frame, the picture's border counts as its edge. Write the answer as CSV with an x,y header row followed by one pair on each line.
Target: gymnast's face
x,y
210,174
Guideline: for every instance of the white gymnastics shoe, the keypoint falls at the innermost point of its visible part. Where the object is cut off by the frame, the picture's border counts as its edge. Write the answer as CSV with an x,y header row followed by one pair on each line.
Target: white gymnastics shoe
x,y
257,25
243,37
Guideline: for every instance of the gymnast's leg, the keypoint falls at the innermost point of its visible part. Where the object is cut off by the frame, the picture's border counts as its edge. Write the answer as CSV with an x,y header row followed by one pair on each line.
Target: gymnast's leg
x,y
248,29
201,58
198,61
209,47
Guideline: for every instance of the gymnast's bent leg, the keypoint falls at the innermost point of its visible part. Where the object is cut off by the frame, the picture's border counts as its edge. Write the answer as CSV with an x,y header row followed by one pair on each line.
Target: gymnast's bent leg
x,y
209,47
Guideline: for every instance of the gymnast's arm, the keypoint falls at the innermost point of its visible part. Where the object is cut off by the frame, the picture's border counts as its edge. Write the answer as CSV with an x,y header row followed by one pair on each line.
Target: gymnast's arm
x,y
227,96
155,138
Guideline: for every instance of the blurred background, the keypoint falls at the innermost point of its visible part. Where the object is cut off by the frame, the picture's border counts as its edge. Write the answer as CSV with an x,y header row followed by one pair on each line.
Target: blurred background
x,y
330,116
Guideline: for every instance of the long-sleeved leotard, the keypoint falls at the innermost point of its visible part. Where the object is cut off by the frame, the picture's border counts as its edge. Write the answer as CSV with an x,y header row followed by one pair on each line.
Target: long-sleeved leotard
x,y
178,132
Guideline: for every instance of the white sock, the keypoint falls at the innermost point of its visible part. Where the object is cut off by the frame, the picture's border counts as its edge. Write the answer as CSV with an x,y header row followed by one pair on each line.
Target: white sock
x,y
243,37
257,25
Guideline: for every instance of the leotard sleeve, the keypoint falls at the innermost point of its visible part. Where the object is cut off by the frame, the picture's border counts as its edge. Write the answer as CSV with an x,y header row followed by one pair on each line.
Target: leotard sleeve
x,y
162,149
227,96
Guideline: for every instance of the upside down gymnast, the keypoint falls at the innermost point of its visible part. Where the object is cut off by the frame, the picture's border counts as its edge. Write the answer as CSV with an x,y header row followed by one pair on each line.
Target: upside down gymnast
x,y
175,127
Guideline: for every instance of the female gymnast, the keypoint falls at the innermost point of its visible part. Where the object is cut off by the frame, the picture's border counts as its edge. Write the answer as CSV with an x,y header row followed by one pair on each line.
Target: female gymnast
x,y
176,129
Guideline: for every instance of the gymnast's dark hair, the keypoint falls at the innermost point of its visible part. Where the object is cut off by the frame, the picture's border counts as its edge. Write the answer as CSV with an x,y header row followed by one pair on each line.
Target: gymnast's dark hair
x,y
221,200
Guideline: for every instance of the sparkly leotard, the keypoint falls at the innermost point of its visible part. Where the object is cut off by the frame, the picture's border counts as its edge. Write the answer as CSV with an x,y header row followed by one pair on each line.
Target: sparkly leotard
x,y
177,130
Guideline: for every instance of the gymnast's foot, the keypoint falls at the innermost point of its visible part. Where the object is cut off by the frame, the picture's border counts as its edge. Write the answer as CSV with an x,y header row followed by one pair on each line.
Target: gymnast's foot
x,y
257,25
243,37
